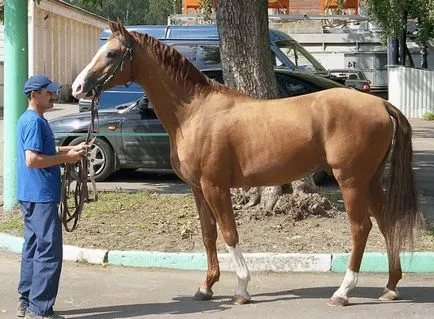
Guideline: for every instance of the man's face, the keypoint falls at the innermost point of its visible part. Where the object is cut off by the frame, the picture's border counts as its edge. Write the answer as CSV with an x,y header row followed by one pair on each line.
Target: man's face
x,y
44,99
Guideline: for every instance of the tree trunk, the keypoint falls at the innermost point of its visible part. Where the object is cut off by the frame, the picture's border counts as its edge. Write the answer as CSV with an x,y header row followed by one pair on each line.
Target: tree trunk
x,y
403,39
424,61
409,59
402,45
245,47
248,63
392,51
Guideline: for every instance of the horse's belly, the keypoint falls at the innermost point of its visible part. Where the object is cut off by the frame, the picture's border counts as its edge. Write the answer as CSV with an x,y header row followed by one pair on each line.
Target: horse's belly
x,y
278,168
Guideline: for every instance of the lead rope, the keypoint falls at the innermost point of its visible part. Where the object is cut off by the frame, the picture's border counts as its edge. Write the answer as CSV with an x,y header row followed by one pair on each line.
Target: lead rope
x,y
79,173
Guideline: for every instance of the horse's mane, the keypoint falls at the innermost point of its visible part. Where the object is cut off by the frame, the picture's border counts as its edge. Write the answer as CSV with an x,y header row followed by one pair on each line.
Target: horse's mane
x,y
180,68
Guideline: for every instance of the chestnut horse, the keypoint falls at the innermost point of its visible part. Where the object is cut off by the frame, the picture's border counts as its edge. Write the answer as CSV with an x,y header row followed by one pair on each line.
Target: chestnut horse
x,y
221,138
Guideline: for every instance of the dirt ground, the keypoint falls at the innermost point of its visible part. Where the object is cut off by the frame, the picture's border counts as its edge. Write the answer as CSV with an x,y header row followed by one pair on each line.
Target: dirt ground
x,y
146,221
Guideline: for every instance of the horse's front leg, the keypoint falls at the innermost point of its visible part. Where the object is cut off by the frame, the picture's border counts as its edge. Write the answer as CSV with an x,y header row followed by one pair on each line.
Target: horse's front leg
x,y
219,200
209,235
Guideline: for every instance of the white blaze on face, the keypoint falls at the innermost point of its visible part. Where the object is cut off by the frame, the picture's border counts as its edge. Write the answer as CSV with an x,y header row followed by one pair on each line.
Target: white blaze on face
x,y
78,85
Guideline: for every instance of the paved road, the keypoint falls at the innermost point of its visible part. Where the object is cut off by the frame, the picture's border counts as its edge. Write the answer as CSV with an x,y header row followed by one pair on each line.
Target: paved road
x,y
423,143
423,162
106,292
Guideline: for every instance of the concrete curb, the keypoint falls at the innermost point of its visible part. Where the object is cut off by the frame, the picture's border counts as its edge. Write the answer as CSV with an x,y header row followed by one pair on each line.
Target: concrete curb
x,y
92,256
417,262
11,243
197,261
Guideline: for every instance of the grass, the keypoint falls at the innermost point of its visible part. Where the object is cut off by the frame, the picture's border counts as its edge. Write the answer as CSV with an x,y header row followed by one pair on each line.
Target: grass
x,y
112,204
428,116
11,223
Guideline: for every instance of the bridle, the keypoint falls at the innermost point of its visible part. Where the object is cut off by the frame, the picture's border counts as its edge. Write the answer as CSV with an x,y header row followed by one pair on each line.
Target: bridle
x,y
79,172
127,53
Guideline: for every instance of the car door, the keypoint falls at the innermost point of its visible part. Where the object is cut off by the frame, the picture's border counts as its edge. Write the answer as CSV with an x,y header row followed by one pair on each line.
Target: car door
x,y
145,141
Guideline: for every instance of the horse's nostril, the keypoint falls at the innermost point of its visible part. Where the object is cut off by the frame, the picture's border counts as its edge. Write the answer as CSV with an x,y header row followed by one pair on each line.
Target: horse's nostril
x,y
79,88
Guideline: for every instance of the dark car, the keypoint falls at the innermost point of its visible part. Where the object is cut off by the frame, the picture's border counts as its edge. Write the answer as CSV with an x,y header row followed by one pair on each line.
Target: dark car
x,y
353,78
131,135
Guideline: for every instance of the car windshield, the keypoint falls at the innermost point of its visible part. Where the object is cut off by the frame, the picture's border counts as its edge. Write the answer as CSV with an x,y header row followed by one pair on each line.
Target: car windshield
x,y
302,59
132,105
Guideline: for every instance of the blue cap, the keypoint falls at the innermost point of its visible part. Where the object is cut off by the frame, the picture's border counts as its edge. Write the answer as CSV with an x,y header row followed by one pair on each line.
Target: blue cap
x,y
37,82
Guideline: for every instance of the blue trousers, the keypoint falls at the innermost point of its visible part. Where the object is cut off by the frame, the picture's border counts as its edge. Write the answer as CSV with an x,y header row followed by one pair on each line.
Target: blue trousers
x,y
41,261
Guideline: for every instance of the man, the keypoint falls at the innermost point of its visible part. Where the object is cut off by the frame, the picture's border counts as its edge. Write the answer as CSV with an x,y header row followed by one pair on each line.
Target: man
x,y
38,192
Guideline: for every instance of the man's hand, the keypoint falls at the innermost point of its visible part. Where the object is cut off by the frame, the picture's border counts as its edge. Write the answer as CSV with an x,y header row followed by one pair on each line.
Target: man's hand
x,y
79,147
73,155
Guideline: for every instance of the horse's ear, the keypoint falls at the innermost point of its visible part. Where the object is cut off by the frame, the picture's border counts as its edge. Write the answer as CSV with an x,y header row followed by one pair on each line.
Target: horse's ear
x,y
124,32
113,27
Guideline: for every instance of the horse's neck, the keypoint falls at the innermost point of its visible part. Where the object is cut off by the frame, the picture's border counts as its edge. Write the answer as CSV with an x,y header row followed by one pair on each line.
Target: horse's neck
x,y
169,98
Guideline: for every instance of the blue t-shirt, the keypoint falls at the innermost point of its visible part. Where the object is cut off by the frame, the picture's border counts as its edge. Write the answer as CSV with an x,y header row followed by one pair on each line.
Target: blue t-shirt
x,y
39,185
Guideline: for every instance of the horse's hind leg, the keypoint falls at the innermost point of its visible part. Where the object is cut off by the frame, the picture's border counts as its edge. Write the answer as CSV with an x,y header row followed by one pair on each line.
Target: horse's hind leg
x,y
356,205
377,199
209,235
219,199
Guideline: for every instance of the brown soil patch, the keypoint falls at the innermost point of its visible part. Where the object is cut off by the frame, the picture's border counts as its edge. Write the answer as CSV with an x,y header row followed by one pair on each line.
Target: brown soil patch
x,y
145,221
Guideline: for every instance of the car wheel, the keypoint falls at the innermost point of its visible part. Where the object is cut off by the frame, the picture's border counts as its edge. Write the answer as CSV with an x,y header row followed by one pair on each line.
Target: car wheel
x,y
101,157
320,178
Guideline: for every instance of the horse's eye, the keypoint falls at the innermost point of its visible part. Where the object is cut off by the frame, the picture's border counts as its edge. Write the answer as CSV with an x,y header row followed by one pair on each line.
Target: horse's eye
x,y
111,54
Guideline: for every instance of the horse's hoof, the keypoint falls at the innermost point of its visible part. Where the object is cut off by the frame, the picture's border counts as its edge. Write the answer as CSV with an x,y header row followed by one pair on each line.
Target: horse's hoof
x,y
241,300
389,295
202,295
338,301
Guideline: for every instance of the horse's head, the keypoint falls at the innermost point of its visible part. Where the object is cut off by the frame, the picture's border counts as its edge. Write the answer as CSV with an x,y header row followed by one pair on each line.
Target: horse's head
x,y
110,66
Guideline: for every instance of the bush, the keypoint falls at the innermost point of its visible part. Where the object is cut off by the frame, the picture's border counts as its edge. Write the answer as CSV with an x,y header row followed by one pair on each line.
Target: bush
x,y
428,116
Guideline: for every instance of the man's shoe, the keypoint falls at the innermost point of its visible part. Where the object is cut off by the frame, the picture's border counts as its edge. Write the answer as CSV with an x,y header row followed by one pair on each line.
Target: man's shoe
x,y
32,315
21,308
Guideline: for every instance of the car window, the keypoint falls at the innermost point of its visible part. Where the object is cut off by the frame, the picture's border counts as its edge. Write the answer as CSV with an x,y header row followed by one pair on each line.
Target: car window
x,y
302,59
144,106
149,112
275,61
288,86
187,50
208,56
215,75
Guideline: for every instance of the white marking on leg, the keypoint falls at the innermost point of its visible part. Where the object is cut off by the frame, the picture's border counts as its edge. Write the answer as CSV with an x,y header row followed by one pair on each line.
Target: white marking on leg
x,y
241,270
349,282
389,295
79,80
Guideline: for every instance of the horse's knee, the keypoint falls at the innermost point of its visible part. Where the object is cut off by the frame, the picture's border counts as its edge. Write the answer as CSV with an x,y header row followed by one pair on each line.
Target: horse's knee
x,y
230,238
361,229
209,240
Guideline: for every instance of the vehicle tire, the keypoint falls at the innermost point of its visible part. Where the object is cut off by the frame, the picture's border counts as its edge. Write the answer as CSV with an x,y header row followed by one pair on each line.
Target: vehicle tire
x,y
101,156
320,178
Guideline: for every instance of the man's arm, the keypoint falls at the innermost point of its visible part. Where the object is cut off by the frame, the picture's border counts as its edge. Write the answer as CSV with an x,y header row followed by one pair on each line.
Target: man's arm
x,y
38,160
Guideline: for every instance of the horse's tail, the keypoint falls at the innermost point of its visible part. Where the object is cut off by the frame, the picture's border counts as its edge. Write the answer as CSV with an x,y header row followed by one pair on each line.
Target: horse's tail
x,y
401,216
